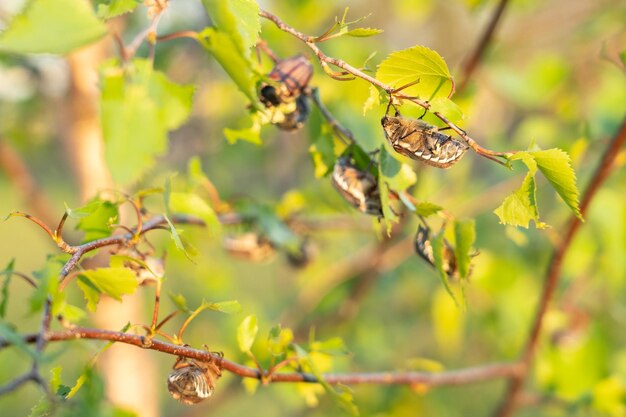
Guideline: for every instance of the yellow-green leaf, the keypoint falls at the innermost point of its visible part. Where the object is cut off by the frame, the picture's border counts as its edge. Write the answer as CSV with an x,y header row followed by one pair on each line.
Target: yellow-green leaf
x,y
53,27
246,333
401,68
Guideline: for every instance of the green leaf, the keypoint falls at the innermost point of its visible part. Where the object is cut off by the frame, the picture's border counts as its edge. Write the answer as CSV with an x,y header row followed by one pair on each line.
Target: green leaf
x,y
116,8
464,237
556,166
180,302
236,65
427,209
193,204
396,176
228,307
417,63
519,208
175,235
279,340
4,293
95,218
249,134
139,107
246,333
52,26
363,32
42,408
113,282
47,284
340,393
446,107
237,18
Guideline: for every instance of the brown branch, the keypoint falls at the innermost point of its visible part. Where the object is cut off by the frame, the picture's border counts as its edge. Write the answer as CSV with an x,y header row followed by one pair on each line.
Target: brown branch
x,y
456,377
325,60
481,47
510,401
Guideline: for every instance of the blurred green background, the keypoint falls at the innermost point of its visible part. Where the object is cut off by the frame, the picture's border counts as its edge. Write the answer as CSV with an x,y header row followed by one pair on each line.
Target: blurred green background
x,y
548,78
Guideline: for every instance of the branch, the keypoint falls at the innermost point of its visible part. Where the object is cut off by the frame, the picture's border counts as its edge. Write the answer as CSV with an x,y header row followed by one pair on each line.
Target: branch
x,y
482,45
456,377
325,60
509,403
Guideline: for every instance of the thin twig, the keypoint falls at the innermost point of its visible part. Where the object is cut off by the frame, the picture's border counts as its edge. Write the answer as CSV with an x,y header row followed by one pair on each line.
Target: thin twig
x,y
510,400
481,47
456,377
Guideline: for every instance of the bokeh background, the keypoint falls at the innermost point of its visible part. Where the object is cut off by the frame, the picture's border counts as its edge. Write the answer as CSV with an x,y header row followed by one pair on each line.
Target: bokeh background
x,y
552,76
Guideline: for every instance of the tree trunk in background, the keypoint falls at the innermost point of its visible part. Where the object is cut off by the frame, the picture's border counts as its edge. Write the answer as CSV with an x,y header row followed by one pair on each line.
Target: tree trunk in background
x,y
125,368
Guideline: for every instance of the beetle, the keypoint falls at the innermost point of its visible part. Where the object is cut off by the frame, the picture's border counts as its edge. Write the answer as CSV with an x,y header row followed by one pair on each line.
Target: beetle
x,y
422,141
192,381
424,249
358,187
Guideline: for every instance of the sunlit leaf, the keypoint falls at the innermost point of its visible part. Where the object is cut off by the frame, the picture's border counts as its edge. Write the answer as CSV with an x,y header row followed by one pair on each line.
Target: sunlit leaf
x,y
401,68
193,204
238,68
427,209
115,8
249,134
363,32
139,107
556,166
237,18
228,307
95,218
246,333
52,26
279,340
114,282
180,302
322,152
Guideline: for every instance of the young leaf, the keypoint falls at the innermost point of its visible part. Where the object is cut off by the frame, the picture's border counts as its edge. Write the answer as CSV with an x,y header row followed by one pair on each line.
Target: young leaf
x,y
279,340
180,302
116,8
188,203
417,63
228,307
364,32
427,209
139,107
519,208
556,166
238,68
113,282
249,134
53,27
246,333
237,18
175,235
96,219
464,236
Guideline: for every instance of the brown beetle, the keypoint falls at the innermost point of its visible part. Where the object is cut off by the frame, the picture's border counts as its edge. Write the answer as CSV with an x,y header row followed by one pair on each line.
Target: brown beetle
x,y
424,249
359,188
287,92
422,141
192,381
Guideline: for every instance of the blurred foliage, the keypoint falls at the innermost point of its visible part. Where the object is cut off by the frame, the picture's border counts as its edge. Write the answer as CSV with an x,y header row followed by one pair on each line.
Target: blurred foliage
x,y
547,79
